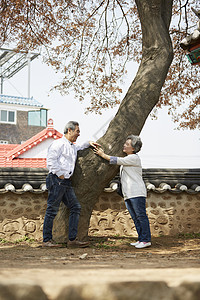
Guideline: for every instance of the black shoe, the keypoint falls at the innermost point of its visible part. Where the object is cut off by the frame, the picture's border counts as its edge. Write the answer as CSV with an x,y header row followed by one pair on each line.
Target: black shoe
x,y
51,244
77,244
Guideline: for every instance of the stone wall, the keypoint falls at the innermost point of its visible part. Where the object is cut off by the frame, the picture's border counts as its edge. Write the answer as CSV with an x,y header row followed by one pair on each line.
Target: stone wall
x,y
169,213
22,215
151,290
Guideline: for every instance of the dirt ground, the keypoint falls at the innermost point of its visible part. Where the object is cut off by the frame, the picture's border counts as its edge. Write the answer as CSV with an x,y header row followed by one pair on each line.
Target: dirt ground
x,y
107,259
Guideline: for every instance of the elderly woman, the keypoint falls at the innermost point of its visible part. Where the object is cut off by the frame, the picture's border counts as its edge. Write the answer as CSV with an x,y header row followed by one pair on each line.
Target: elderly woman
x,y
133,187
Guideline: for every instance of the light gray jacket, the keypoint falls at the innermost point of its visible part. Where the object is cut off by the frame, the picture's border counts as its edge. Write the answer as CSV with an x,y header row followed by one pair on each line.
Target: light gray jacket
x,y
131,176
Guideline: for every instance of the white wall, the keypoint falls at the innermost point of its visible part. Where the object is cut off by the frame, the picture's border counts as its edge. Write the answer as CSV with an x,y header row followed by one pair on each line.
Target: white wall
x,y
39,151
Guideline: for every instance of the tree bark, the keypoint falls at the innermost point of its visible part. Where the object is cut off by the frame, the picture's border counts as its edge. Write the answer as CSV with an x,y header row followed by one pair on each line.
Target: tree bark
x,y
92,173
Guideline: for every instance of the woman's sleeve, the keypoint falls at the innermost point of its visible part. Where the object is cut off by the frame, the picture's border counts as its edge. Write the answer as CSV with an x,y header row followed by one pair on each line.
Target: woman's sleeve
x,y
113,160
129,160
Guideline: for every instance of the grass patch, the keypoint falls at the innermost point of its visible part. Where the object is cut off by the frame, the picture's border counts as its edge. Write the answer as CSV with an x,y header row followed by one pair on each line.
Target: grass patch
x,y
191,235
24,239
110,242
3,241
18,241
105,245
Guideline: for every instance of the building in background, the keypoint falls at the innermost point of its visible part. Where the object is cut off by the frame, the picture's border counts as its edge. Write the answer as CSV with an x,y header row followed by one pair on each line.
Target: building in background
x,y
20,119
30,154
191,43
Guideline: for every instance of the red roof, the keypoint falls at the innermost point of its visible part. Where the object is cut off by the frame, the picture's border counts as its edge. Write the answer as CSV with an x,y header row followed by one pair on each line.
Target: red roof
x,y
9,153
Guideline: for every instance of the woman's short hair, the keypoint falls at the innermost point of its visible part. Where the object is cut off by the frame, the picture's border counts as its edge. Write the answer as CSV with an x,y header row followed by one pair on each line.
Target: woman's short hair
x,y
136,142
72,125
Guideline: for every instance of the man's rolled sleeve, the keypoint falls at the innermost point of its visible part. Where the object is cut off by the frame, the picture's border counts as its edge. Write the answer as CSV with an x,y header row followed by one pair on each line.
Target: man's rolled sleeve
x,y
83,146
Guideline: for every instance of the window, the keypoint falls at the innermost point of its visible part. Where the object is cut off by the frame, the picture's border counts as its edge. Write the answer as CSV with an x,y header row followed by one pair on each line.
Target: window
x,y
7,116
37,117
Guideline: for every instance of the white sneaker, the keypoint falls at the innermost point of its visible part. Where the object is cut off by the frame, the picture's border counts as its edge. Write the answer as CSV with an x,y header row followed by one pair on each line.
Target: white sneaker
x,y
143,245
134,244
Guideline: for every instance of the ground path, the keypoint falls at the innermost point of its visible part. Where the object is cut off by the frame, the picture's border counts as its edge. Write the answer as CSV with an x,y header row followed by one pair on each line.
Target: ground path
x,y
170,259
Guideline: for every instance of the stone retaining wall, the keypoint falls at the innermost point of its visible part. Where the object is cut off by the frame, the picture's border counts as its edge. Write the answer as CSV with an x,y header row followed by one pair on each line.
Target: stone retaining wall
x,y
23,214
148,290
168,214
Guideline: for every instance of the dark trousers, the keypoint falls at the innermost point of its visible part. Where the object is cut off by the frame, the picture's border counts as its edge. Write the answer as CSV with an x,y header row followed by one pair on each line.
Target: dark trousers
x,y
60,190
137,209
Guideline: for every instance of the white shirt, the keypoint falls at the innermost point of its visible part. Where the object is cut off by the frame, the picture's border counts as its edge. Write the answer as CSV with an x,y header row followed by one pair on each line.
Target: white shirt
x,y
62,155
131,176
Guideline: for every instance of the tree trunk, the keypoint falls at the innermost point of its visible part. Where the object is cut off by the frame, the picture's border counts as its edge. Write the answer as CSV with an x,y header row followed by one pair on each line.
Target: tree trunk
x,y
92,173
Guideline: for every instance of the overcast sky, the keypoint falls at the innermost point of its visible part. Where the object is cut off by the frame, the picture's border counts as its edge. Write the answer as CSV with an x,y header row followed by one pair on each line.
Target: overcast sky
x,y
163,146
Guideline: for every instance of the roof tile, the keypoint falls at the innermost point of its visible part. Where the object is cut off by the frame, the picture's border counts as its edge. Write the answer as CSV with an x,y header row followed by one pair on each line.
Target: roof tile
x,y
10,153
19,100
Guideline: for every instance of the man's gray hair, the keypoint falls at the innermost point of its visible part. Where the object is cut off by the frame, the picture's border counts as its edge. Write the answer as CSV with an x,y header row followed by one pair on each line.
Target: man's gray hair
x,y
72,125
136,142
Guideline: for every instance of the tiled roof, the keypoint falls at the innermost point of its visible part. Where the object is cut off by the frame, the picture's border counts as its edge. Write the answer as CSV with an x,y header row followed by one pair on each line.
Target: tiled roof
x,y
22,180
10,154
19,100
23,162
163,180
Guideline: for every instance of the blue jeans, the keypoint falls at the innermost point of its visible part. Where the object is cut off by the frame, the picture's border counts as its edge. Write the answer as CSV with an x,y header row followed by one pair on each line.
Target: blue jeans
x,y
137,209
60,190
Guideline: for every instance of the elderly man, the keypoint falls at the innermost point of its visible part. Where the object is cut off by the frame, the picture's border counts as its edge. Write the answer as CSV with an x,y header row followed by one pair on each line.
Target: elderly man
x,y
61,159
